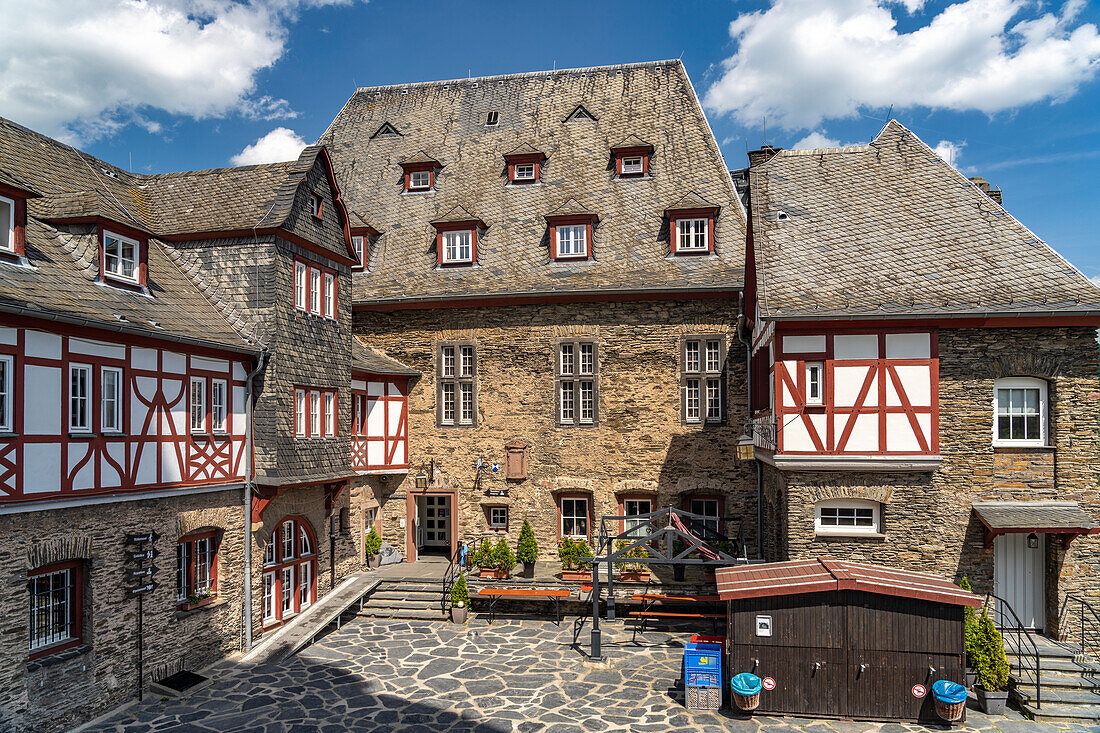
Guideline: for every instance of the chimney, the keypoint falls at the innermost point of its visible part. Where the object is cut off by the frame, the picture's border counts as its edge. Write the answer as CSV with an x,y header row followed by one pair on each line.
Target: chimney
x,y
763,155
983,184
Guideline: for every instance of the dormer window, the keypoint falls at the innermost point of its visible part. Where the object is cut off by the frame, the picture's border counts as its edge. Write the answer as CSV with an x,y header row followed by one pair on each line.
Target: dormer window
x,y
457,247
524,172
524,164
692,235
121,257
492,118
571,231
691,225
456,237
357,244
570,240
420,180
632,165
632,157
420,172
316,204
7,225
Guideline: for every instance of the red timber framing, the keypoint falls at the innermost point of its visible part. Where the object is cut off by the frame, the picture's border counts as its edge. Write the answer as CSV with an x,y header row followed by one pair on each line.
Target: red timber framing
x,y
882,392
43,457
380,422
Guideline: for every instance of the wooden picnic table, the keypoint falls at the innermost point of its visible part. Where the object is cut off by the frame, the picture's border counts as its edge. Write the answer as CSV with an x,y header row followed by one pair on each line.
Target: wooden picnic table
x,y
495,594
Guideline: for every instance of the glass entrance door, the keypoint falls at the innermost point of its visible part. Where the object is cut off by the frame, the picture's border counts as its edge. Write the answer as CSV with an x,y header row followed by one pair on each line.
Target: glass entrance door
x,y
435,521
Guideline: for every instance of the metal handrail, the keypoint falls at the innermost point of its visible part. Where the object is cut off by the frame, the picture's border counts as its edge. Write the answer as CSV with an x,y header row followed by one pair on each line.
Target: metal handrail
x,y
450,577
1021,634
1082,607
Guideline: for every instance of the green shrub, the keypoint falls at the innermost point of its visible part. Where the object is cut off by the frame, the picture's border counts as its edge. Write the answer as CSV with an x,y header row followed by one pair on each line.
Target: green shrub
x,y
483,558
527,551
638,552
570,551
373,543
459,592
990,661
970,625
503,557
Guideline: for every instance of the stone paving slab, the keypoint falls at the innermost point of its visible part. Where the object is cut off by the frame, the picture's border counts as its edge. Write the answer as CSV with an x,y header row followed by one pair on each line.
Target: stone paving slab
x,y
511,676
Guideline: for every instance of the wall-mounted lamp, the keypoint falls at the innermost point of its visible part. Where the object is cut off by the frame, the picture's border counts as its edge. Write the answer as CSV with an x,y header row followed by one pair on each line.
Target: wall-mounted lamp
x,y
746,451
1033,541
421,480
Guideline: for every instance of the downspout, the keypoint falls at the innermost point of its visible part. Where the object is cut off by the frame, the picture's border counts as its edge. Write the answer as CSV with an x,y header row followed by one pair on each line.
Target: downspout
x,y
249,476
746,339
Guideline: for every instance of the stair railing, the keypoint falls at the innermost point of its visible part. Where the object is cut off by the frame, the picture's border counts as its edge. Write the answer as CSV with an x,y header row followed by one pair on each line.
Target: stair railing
x,y
451,577
1088,623
1003,609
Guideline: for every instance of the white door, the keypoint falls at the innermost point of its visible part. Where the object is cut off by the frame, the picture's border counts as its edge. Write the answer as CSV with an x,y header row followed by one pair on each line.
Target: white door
x,y
436,520
1019,578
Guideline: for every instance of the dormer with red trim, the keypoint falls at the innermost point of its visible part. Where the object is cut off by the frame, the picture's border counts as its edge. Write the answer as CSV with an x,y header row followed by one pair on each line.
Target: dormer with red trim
x,y
691,225
456,235
571,227
524,164
420,170
632,157
362,233
13,216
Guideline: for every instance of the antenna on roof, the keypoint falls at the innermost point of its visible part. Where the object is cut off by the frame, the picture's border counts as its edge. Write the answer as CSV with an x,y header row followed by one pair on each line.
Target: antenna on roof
x,y
890,113
555,64
765,121
681,54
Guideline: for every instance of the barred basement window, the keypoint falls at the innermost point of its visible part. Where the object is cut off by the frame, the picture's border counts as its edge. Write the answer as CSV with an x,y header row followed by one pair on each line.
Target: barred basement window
x,y
55,607
702,380
577,393
456,369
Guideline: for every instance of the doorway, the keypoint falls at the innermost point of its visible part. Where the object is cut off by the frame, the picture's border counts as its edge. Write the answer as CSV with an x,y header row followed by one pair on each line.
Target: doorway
x,y
1019,577
433,525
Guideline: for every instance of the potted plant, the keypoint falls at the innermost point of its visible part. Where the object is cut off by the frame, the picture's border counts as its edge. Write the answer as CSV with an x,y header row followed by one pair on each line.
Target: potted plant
x,y
992,667
503,560
483,559
569,552
460,600
527,551
633,572
197,599
970,633
372,544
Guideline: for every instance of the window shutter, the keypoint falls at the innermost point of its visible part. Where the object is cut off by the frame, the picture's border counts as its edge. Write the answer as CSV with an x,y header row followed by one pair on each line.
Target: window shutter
x,y
515,460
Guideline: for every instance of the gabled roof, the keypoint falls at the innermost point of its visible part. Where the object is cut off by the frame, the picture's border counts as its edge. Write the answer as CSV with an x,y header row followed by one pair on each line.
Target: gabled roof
x,y
524,149
632,141
691,200
7,179
571,207
823,574
890,229
367,359
580,113
458,215
419,158
447,118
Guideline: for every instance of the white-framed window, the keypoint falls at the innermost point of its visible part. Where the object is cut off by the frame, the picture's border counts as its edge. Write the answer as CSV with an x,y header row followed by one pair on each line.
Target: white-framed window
x,y
300,413
1020,412
574,517
710,508
466,403
457,388
301,291
7,393
219,391
357,245
524,172
110,398
448,400
315,291
198,404
330,414
304,544
632,164
815,383
692,235
288,540
457,246
80,398
576,372
314,413
632,508
121,256
571,240
847,516
316,205
7,224
330,295
498,517
702,387
420,180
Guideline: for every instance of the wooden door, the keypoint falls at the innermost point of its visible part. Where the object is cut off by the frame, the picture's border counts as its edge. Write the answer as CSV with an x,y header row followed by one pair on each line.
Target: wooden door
x,y
436,521
1019,577
808,681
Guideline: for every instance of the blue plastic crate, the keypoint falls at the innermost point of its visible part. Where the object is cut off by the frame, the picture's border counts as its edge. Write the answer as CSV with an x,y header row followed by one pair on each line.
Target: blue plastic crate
x,y
703,657
703,679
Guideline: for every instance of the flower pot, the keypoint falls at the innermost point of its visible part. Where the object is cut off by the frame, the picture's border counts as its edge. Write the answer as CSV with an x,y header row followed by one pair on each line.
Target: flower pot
x,y
459,614
374,561
992,702
971,678
494,574
634,576
528,570
576,575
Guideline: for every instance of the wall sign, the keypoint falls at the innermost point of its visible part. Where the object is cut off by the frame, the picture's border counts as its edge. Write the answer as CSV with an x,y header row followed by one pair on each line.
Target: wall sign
x,y
763,625
919,691
768,683
497,492
397,495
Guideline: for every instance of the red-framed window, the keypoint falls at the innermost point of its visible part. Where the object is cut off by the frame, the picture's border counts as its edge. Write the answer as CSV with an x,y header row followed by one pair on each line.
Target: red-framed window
x,y
691,231
316,413
632,162
710,506
575,516
13,224
420,177
56,594
316,289
290,571
208,401
360,238
317,205
123,256
197,569
631,505
456,243
526,168
571,237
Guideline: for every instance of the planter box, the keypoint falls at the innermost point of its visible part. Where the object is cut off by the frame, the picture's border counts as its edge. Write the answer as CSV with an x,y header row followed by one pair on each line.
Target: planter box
x,y
494,574
634,576
189,606
992,702
576,575
459,614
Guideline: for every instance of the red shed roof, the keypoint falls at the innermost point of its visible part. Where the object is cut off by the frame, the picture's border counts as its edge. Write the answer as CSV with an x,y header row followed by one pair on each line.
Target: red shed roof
x,y
826,574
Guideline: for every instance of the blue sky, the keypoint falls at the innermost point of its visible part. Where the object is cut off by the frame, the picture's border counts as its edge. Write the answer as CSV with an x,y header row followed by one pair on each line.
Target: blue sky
x,y
1005,87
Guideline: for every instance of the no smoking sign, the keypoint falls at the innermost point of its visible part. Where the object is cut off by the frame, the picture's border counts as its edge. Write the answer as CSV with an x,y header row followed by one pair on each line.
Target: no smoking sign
x,y
768,682
919,691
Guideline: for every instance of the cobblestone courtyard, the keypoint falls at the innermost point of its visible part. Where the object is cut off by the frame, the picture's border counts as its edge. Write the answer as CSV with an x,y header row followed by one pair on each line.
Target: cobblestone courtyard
x,y
515,675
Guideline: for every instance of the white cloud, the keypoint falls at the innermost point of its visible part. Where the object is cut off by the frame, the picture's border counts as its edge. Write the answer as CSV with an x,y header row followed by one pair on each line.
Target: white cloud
x,y
1095,280
949,151
803,61
79,69
279,144
815,140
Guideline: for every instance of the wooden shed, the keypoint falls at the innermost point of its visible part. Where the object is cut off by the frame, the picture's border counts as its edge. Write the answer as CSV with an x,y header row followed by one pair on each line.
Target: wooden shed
x,y
843,639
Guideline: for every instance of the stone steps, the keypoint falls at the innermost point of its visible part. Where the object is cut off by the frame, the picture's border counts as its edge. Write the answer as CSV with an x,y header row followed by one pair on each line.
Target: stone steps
x,y
401,599
1070,682
403,613
1054,713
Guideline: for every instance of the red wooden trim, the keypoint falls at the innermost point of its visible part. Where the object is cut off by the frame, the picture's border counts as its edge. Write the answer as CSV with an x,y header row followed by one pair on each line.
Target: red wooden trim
x,y
547,299
191,538
289,236
321,414
310,265
623,498
675,215
20,234
142,255
76,605
456,226
14,192
557,221
282,563
906,325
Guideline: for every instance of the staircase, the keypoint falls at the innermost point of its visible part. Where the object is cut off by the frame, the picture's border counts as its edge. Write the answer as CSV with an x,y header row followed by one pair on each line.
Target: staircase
x,y
406,599
1069,683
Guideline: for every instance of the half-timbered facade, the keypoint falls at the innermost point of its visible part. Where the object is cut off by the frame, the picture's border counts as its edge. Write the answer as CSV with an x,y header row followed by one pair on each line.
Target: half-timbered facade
x,y
924,375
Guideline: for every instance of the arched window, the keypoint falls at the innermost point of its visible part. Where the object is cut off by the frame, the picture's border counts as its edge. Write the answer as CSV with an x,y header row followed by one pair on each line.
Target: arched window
x,y
290,571
847,517
1020,412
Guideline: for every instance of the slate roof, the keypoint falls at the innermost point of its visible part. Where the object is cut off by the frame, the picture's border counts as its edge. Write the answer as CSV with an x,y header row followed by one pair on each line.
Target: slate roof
x,y
890,229
1052,516
365,358
652,101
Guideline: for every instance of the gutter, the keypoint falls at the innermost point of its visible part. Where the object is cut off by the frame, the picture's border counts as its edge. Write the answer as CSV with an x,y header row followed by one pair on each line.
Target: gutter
x,y
747,341
600,293
122,328
841,315
246,616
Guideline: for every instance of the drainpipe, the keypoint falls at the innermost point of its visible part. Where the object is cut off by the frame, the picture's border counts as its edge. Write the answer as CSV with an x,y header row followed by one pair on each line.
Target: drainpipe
x,y
249,476
746,339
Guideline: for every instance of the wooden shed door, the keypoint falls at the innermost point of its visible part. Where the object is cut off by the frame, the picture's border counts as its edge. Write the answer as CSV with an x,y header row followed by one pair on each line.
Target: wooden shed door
x,y
880,684
806,680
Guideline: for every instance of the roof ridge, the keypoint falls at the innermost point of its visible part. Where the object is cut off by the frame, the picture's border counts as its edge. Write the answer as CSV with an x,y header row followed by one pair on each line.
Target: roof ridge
x,y
523,75
213,171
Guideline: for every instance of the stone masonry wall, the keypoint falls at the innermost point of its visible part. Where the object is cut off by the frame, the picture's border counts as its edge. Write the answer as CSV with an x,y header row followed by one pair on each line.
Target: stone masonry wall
x,y
61,690
639,446
927,521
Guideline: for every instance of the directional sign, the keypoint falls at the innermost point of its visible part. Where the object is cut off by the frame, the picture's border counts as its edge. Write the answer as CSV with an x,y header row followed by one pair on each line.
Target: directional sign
x,y
769,683
141,555
140,573
497,492
137,539
140,589
919,691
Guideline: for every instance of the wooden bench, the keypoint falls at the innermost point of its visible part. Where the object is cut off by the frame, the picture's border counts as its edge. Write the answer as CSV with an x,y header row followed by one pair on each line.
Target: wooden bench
x,y
648,600
495,594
